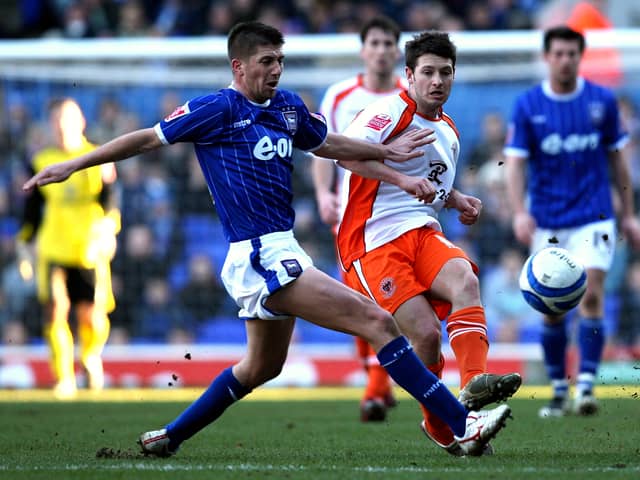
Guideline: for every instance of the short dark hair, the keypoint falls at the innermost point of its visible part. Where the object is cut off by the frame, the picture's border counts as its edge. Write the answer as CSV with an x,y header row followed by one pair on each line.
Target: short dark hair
x,y
432,41
563,32
382,22
245,37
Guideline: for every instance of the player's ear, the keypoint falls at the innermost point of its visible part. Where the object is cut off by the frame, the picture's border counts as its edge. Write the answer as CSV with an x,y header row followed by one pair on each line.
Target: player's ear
x,y
236,65
409,73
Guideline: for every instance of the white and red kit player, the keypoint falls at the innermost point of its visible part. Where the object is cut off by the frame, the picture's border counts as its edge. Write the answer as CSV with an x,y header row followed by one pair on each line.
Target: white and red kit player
x,y
391,244
341,103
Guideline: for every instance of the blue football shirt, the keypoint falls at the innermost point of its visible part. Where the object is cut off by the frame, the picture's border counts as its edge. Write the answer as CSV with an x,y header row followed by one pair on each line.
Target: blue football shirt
x,y
566,139
245,152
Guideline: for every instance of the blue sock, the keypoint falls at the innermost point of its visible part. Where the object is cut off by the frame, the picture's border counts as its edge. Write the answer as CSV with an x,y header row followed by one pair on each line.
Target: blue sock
x,y
404,366
554,344
222,392
591,344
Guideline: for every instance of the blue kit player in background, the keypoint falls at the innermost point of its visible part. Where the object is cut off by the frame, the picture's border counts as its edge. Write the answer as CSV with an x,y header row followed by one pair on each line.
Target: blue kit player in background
x,y
244,138
568,134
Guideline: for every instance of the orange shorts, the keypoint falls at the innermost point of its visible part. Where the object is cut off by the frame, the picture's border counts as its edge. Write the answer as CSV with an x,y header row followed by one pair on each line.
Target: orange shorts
x,y
404,268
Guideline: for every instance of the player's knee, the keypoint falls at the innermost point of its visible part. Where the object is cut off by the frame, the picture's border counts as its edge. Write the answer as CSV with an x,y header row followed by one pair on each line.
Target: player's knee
x,y
427,339
469,285
254,374
378,326
592,301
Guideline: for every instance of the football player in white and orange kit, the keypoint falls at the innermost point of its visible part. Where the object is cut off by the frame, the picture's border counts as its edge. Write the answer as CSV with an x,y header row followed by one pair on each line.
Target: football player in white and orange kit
x,y
392,247
341,103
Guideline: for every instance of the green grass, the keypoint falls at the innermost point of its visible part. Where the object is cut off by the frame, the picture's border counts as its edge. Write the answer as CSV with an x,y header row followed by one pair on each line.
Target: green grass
x,y
309,440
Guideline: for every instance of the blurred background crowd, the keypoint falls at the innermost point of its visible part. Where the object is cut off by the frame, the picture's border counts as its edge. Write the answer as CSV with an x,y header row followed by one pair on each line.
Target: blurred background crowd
x,y
170,249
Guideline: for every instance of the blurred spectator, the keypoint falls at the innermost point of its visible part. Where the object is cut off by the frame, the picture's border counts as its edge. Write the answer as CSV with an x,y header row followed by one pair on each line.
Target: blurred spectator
x,y
135,261
220,18
491,142
424,15
631,123
111,122
157,318
132,20
628,334
509,316
181,18
203,296
602,65
191,192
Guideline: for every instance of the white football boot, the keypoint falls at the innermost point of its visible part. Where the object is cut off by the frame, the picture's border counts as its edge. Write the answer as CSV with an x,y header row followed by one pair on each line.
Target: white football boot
x,y
482,426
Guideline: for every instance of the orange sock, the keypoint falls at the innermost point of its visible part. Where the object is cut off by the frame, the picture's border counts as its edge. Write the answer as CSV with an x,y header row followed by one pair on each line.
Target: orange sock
x,y
467,329
436,427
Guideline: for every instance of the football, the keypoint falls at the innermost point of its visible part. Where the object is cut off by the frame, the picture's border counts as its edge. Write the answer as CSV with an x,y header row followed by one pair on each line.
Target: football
x,y
552,281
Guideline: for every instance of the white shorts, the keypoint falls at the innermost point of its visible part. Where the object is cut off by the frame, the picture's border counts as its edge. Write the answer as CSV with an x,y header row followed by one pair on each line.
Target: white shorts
x,y
256,268
593,244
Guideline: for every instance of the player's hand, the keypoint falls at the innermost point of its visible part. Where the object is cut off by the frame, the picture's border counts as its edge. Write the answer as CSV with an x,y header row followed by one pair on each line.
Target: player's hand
x,y
419,187
328,207
524,227
469,208
57,172
25,257
631,229
406,145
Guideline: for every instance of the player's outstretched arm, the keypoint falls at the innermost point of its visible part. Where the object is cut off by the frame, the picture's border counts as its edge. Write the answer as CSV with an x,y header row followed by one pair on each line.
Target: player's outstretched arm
x,y
402,149
419,187
122,147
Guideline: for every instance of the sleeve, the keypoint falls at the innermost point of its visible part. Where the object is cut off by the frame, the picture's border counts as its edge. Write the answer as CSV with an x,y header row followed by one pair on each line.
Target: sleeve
x,y
312,131
517,142
614,137
371,125
31,214
198,121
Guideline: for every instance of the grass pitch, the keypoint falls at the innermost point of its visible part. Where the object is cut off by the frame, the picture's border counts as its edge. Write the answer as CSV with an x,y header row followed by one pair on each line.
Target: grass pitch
x,y
281,434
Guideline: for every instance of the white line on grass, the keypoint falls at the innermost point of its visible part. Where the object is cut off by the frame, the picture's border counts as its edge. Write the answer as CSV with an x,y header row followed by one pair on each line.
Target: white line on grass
x,y
249,467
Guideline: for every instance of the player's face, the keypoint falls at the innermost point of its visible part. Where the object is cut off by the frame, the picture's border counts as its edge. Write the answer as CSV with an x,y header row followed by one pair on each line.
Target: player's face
x,y
563,59
68,125
430,83
380,52
258,76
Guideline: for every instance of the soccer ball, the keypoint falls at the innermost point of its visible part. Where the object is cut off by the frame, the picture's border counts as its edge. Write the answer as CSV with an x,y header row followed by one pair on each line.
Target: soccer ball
x,y
552,281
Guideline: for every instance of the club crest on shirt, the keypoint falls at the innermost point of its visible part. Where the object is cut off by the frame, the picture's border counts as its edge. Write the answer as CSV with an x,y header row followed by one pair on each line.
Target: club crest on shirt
x,y
596,112
379,122
178,112
387,287
292,266
291,118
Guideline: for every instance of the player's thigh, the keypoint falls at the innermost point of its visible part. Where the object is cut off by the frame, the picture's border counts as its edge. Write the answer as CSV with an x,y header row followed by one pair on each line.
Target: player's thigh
x,y
320,299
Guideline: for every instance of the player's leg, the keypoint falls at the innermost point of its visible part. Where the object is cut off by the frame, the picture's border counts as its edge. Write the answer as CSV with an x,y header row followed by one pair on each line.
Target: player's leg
x,y
56,328
93,298
324,301
267,347
418,321
453,282
378,395
591,340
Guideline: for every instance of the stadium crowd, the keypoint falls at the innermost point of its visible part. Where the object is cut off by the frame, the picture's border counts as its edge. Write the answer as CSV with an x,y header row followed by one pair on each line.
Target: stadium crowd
x,y
118,18
171,245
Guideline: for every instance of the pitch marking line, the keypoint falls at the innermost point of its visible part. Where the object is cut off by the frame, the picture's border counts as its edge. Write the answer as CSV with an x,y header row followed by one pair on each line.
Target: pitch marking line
x,y
249,467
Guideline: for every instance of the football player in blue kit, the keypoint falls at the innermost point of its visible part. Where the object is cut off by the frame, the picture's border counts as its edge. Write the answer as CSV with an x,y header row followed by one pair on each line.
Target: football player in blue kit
x,y
567,132
244,137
